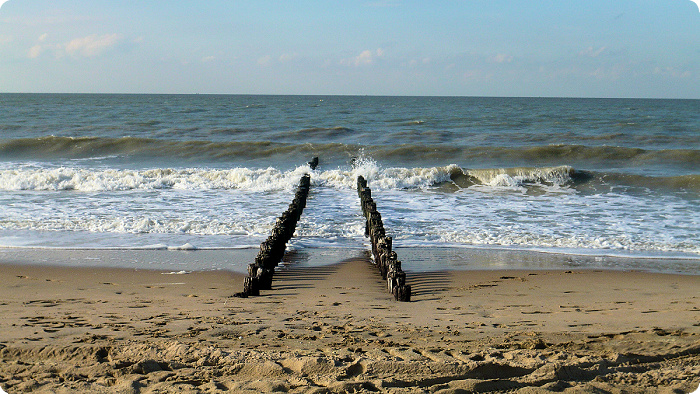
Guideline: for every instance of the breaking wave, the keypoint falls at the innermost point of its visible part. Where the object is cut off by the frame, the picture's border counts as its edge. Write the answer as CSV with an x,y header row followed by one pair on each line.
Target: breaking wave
x,y
36,178
430,206
514,177
91,180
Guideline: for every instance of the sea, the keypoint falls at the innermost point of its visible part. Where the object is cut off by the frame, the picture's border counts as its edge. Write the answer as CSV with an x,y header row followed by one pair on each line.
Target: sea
x,y
460,182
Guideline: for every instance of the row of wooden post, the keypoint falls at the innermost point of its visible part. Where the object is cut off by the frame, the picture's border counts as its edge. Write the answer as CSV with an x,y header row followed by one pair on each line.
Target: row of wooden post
x,y
272,249
386,259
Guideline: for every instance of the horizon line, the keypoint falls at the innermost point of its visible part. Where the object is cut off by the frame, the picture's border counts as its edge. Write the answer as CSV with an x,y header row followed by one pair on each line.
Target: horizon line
x,y
355,95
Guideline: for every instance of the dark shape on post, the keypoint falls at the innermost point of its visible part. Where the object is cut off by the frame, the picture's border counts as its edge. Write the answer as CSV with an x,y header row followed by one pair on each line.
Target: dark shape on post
x,y
361,184
253,270
250,286
402,293
384,251
265,278
313,163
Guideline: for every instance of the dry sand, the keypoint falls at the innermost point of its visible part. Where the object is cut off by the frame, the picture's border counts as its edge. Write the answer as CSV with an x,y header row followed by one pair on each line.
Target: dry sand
x,y
336,329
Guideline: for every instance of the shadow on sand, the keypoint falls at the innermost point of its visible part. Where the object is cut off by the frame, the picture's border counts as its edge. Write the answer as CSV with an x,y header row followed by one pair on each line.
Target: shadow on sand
x,y
428,284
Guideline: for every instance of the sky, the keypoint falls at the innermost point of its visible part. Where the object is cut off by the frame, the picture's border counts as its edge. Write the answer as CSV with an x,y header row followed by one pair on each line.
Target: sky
x,y
524,48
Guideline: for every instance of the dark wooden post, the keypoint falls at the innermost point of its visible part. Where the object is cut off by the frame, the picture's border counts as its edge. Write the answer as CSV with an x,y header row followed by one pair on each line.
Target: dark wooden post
x,y
386,260
272,249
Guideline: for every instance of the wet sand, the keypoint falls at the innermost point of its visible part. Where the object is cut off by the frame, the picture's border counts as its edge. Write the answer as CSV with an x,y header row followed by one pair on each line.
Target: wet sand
x,y
336,329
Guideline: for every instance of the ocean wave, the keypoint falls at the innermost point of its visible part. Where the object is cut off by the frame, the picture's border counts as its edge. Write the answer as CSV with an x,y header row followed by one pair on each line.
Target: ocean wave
x,y
578,243
688,183
258,180
300,143
94,180
395,178
517,177
320,132
86,147
567,176
608,153
141,225
448,178
562,207
246,233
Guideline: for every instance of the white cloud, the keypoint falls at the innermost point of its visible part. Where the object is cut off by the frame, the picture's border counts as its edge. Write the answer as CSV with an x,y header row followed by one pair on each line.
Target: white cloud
x,y
208,59
590,52
2,2
265,60
417,62
35,51
363,58
288,57
502,58
366,57
672,72
92,45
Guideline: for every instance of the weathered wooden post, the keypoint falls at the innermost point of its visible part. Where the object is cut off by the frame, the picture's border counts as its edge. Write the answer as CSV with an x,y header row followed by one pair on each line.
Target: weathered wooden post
x,y
250,287
384,257
271,252
402,293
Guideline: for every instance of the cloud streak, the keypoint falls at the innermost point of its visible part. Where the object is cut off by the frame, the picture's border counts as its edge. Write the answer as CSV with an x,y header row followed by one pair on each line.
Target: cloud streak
x,y
87,47
590,52
92,45
502,58
365,58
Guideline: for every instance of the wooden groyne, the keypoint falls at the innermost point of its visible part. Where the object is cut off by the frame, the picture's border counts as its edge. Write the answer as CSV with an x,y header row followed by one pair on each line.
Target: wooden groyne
x,y
272,249
384,258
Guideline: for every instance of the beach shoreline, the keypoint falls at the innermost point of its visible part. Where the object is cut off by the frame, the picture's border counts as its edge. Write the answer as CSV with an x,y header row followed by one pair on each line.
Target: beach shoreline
x,y
335,328
415,258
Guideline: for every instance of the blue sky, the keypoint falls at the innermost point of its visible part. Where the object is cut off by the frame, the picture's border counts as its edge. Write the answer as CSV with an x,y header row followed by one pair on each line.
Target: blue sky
x,y
562,48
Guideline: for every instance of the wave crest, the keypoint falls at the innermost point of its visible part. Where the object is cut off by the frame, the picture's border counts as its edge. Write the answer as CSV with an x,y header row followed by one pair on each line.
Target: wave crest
x,y
58,179
296,144
516,177
450,177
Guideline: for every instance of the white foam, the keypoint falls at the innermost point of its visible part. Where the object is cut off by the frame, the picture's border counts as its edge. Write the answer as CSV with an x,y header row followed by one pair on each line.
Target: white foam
x,y
187,246
154,247
270,179
517,177
387,178
92,180
237,208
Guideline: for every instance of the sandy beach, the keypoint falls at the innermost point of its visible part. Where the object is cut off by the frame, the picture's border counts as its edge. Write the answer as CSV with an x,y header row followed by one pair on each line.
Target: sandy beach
x,y
335,329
